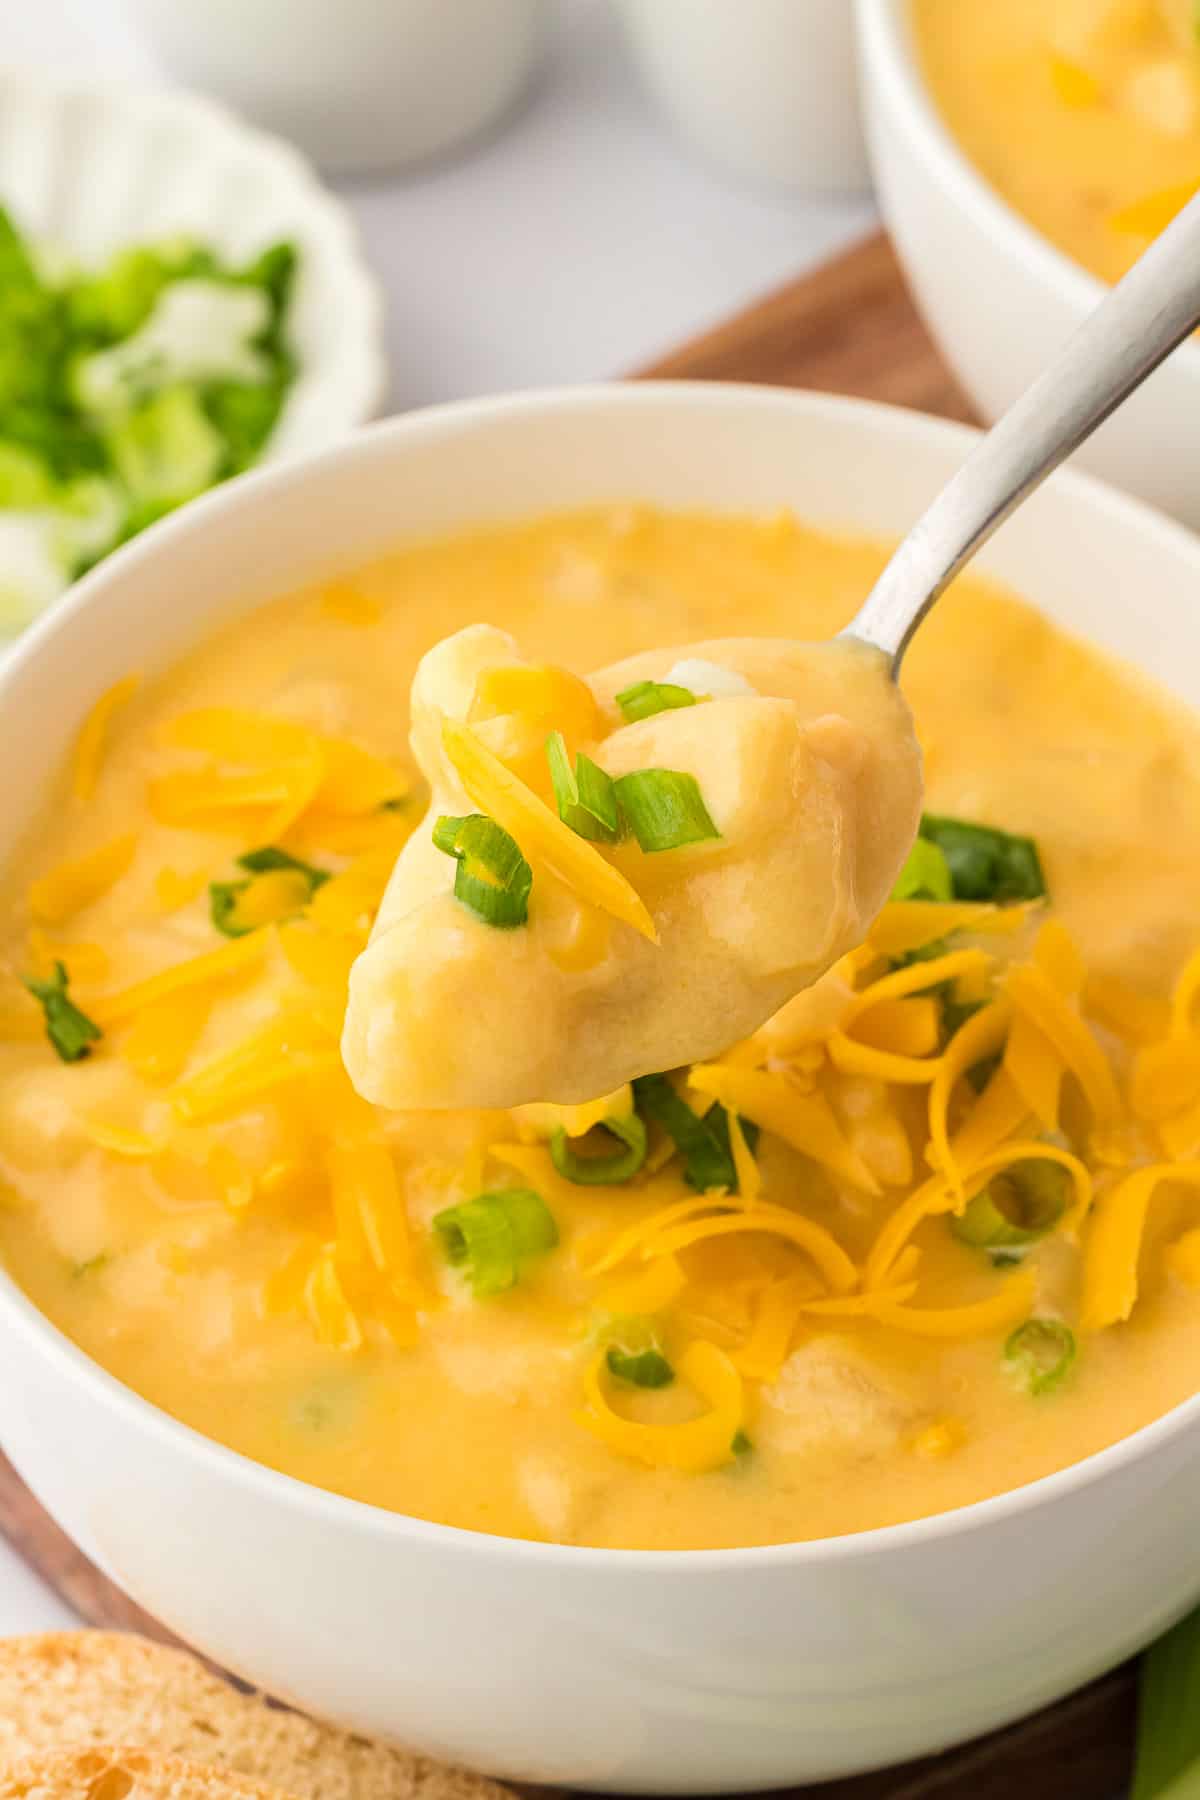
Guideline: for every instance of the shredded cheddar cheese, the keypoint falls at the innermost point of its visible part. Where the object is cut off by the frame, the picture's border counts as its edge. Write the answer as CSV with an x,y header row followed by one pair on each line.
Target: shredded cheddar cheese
x,y
541,834
75,885
91,742
695,1446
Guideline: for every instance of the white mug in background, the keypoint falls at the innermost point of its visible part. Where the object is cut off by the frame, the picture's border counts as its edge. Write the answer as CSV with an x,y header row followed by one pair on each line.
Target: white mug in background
x,y
765,87
357,84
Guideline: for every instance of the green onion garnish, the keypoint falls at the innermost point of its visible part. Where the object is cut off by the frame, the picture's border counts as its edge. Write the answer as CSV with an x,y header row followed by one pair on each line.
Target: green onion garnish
x,y
586,796
664,809
645,698
1018,1206
261,862
492,878
223,896
704,1142
1168,1738
492,1235
1042,1350
70,1031
601,1171
925,875
643,1368
986,864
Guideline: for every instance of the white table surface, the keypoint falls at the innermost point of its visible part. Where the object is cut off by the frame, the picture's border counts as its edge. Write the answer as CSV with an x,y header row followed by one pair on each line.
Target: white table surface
x,y
579,243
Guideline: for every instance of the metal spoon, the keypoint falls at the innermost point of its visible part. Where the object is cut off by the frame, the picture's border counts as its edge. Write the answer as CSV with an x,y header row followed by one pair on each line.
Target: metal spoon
x,y
1138,324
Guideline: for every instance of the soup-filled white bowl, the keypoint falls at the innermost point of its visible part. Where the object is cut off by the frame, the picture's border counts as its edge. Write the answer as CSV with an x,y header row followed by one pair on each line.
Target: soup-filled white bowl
x,y
688,1672
998,296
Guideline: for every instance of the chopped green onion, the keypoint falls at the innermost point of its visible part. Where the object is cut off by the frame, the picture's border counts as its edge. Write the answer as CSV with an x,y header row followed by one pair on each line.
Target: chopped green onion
x,y
1042,1351
586,797
645,698
1018,1206
602,1171
271,857
704,1142
664,809
643,1368
223,896
70,1031
492,878
741,1445
925,875
1168,1737
986,864
493,1234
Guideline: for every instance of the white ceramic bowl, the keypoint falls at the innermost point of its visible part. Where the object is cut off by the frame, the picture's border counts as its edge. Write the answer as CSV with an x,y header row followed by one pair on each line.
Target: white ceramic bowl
x,y
364,84
90,168
765,88
998,296
692,1672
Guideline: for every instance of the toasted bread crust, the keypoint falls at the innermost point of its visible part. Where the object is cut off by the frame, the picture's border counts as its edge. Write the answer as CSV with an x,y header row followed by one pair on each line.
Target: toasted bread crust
x,y
115,1773
85,1689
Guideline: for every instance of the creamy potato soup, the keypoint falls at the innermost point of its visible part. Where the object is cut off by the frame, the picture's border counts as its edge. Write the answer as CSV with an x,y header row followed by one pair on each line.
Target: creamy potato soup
x,y
1085,114
928,1233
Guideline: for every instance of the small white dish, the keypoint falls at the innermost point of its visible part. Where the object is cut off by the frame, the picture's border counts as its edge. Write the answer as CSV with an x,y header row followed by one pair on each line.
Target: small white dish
x,y
999,297
690,1672
88,169
765,88
363,84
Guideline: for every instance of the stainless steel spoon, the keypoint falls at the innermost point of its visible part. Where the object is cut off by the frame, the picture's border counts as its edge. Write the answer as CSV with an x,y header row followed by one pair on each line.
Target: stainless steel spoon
x,y
1139,323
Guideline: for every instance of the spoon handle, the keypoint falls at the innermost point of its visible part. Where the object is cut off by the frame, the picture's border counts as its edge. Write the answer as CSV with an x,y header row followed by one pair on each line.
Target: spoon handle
x,y
1140,322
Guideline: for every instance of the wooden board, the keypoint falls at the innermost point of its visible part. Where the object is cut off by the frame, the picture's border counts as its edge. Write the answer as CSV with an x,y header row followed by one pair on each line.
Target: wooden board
x,y
850,328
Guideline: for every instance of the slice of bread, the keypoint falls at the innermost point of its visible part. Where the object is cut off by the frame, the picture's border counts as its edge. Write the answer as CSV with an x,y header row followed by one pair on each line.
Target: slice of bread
x,y
110,1774
88,1688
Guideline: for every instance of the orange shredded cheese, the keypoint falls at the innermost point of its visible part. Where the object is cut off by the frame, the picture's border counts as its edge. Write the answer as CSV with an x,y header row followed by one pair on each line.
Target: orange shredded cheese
x,y
1114,1240
333,1319
819,1245
173,890
75,884
231,962
695,1446
981,1037
163,1036
647,1291
749,1177
776,1322
901,1027
541,834
1011,1303
906,925
805,1121
91,742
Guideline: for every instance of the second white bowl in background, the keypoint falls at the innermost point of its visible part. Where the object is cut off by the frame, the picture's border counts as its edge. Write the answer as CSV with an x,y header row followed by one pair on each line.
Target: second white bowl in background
x,y
997,295
766,88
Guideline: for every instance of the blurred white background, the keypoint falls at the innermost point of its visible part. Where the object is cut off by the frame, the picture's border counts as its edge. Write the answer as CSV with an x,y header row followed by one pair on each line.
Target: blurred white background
x,y
580,242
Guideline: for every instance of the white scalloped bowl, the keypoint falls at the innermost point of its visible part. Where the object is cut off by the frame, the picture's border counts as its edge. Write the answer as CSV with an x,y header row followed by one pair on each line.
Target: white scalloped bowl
x,y
91,168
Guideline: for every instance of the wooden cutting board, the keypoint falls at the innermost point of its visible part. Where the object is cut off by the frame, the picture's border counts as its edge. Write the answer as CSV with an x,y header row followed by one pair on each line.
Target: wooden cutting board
x,y
850,328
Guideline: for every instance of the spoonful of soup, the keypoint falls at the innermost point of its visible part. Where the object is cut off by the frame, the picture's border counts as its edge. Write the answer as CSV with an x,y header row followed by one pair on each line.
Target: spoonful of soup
x,y
623,874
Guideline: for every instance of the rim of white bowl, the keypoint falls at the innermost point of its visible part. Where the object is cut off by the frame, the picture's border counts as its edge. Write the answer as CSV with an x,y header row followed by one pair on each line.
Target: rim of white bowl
x,y
245,493
887,54
354,369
